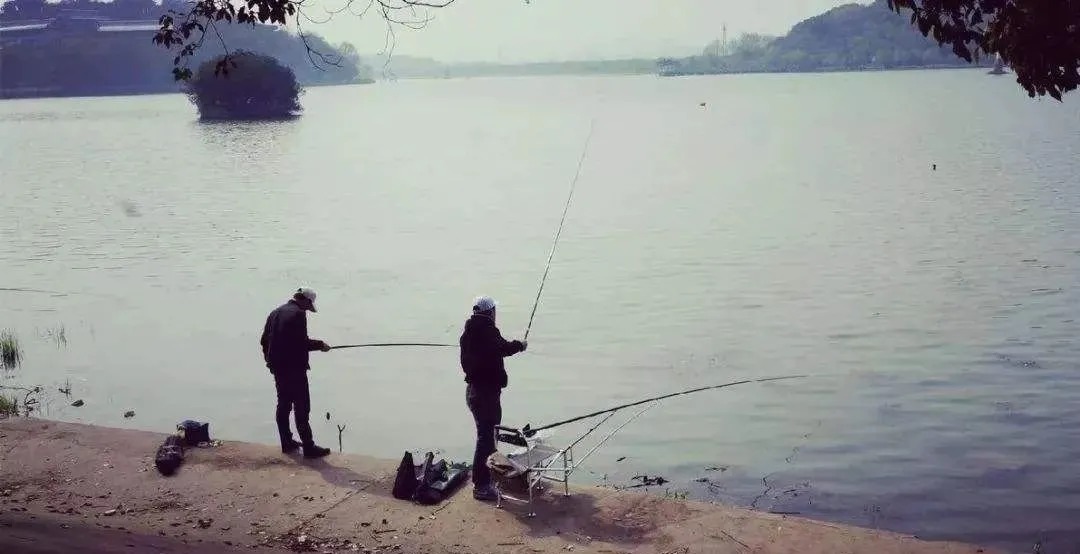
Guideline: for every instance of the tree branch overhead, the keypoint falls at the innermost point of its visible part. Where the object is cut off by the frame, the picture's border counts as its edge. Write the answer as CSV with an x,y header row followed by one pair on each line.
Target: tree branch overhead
x,y
1040,41
187,31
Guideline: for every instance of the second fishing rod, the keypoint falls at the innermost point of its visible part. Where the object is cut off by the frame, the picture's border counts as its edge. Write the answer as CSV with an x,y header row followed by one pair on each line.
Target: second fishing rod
x,y
558,231
543,278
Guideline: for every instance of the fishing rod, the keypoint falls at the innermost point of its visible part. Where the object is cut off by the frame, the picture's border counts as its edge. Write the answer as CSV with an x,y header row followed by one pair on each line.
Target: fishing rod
x,y
558,232
373,344
528,431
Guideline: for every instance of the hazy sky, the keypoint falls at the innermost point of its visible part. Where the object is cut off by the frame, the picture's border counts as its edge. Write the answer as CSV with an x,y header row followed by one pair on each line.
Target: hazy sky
x,y
512,31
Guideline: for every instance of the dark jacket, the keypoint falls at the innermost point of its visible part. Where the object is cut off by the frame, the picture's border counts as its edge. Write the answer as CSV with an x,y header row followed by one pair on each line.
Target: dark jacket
x,y
482,351
285,342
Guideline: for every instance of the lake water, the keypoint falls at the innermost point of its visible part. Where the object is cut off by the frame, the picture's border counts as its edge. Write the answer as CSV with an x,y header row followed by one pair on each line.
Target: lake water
x,y
792,225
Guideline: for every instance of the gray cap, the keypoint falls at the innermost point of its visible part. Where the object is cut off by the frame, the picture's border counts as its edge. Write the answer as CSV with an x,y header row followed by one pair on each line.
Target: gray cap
x,y
483,304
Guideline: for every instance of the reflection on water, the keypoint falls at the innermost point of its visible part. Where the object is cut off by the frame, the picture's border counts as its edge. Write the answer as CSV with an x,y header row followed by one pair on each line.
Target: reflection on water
x,y
795,226
244,138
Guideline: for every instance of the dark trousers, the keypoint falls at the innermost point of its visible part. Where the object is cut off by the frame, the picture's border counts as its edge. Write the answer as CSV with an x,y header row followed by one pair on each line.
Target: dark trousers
x,y
486,407
293,396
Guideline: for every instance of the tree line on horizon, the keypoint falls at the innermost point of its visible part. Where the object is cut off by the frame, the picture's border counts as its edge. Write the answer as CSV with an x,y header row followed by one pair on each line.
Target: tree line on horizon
x,y
28,10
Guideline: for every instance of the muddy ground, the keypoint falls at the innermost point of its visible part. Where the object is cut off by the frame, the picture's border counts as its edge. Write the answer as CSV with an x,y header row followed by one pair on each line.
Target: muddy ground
x,y
76,488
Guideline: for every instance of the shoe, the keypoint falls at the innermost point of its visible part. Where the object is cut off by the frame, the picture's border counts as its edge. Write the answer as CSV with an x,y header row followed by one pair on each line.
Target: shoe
x,y
312,452
486,494
290,447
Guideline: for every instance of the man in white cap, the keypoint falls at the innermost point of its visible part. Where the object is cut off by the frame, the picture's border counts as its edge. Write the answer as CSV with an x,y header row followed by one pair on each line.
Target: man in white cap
x,y
285,346
482,351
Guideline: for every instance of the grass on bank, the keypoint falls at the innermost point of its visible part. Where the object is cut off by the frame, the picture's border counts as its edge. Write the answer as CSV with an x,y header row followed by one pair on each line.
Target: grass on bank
x,y
9,406
11,353
18,401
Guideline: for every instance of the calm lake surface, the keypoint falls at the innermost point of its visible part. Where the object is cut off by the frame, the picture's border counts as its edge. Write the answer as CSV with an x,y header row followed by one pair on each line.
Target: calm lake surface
x,y
792,225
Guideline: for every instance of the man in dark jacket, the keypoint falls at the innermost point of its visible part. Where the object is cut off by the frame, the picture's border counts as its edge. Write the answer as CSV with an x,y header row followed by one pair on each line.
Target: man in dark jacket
x,y
482,351
285,346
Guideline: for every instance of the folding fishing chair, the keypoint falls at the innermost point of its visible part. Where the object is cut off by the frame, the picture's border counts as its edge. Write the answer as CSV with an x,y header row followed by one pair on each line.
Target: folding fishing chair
x,y
526,458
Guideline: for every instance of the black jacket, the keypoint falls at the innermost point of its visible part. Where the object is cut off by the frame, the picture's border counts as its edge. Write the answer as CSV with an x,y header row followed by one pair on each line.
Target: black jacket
x,y
482,351
285,342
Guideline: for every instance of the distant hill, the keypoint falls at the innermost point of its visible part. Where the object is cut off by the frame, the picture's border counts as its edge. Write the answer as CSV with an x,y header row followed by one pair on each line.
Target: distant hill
x,y
90,48
846,38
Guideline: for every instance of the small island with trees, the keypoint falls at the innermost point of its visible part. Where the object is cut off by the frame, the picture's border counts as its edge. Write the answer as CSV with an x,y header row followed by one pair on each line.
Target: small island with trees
x,y
244,86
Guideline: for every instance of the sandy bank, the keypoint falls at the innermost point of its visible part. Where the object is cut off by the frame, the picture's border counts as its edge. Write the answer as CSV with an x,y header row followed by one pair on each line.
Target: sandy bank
x,y
67,485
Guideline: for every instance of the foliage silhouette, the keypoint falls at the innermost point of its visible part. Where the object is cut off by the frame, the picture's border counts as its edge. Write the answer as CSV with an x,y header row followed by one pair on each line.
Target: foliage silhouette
x,y
247,86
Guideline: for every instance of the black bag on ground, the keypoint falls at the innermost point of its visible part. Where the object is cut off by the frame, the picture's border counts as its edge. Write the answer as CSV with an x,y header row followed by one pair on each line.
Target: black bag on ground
x,y
169,455
405,481
453,477
424,494
194,432
429,483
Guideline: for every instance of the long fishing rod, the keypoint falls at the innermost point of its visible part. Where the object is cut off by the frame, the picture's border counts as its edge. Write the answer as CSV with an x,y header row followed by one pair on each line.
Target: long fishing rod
x,y
558,232
373,344
532,431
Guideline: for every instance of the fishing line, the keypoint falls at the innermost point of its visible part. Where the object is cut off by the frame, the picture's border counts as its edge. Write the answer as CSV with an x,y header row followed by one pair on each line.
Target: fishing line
x,y
532,431
5,289
371,344
558,232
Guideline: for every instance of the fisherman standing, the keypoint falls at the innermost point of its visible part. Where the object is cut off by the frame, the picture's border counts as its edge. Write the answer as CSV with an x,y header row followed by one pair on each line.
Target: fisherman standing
x,y
285,346
482,351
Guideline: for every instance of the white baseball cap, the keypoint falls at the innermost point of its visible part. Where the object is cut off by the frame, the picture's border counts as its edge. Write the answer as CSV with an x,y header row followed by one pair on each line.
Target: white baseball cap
x,y
483,304
309,294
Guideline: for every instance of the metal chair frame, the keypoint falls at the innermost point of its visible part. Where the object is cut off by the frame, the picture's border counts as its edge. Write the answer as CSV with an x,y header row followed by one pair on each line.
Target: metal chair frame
x,y
545,463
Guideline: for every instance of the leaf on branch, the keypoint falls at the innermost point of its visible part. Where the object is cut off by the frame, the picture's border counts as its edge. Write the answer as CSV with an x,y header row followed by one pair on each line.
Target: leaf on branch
x,y
181,73
961,50
924,27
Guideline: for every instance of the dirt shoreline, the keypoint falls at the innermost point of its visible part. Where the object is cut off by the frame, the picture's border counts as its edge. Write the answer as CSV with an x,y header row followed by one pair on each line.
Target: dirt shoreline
x,y
68,487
